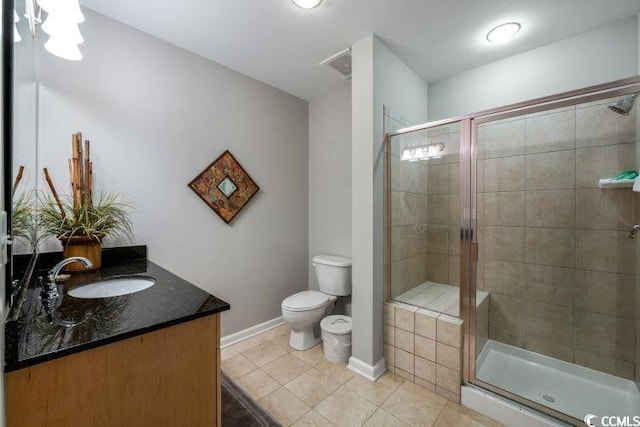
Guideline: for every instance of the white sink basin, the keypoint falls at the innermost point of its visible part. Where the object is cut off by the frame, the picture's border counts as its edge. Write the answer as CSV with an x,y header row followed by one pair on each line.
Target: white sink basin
x,y
113,287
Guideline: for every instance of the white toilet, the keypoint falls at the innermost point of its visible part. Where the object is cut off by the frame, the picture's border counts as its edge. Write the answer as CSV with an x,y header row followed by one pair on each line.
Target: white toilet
x,y
304,310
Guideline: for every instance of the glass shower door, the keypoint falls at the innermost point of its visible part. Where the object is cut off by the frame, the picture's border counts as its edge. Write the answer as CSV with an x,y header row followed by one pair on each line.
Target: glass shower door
x,y
424,214
556,263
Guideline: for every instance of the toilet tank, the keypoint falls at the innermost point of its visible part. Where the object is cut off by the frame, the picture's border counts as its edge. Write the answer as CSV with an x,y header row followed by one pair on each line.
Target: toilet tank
x,y
333,274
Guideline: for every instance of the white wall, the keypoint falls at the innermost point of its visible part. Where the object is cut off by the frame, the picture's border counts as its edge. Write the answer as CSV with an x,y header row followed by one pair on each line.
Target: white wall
x,y
379,78
329,176
157,116
599,56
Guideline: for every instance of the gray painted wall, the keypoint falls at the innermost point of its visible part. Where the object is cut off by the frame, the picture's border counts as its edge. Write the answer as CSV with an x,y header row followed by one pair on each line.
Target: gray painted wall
x,y
158,115
598,56
379,78
329,177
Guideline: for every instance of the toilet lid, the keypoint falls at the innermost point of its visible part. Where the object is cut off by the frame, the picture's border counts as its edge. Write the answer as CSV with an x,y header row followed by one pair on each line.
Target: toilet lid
x,y
305,300
336,324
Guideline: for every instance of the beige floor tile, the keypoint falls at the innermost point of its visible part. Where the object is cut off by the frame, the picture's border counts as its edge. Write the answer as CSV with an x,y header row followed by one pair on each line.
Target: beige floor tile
x,y
312,356
258,384
276,332
227,353
448,417
264,353
248,343
237,366
344,408
312,387
312,419
383,419
286,368
470,413
414,405
375,392
337,371
283,342
285,406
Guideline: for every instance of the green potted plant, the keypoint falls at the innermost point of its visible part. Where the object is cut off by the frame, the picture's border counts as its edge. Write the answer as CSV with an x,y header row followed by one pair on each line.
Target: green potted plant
x,y
78,222
25,221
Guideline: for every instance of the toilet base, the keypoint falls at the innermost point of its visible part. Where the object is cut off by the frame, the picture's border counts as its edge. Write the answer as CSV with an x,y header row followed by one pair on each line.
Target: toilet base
x,y
304,338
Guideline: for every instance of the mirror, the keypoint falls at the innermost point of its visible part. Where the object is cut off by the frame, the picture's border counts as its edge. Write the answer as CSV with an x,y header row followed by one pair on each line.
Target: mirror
x,y
24,176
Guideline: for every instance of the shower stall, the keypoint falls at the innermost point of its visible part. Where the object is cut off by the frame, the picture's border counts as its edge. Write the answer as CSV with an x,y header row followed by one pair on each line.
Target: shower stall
x,y
521,222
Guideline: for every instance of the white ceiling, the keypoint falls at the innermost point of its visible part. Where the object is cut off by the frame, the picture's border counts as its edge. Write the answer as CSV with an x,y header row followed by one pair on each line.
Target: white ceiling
x,y
280,44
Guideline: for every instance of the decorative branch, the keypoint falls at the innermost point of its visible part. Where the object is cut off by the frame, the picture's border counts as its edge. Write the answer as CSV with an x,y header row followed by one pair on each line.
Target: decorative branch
x,y
17,181
54,192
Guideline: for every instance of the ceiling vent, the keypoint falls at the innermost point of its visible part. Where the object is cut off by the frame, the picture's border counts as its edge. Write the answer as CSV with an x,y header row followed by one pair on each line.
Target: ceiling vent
x,y
341,62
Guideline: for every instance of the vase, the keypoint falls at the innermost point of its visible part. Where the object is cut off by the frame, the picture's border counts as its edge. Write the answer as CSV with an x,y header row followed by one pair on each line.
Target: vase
x,y
89,247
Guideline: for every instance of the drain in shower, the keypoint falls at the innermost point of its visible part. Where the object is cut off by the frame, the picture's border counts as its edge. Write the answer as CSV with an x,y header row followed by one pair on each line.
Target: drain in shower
x,y
549,398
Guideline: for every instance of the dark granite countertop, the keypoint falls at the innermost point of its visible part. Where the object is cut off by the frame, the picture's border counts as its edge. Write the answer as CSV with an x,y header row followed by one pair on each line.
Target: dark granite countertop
x,y
35,337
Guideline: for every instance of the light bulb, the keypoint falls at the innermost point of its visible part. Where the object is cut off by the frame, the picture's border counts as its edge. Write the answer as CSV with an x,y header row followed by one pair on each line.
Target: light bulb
x,y
63,29
63,49
66,9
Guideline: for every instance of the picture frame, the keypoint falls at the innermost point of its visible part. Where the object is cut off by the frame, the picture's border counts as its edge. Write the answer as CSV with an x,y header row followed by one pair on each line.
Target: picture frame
x,y
225,186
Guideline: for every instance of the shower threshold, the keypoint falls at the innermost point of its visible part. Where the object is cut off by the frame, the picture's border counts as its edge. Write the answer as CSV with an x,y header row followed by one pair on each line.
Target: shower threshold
x,y
562,386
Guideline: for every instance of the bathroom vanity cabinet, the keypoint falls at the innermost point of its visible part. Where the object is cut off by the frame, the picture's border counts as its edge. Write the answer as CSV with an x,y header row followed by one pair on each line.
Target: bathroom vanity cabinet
x,y
168,377
151,358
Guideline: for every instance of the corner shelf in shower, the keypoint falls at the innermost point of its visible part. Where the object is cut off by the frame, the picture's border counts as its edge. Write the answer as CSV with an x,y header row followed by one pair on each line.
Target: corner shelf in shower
x,y
607,183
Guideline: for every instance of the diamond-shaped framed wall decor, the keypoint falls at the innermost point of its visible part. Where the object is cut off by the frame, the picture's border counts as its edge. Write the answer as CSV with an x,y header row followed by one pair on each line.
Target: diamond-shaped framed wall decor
x,y
224,186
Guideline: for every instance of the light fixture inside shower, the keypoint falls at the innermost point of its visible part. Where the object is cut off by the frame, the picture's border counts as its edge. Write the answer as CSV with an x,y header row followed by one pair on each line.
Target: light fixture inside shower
x,y
423,152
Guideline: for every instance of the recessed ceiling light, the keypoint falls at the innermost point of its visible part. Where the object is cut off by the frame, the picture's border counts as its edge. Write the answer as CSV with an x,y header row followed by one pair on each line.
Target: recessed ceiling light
x,y
307,4
503,33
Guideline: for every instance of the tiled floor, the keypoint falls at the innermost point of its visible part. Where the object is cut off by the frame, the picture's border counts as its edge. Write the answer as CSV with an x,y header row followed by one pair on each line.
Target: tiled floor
x,y
437,297
301,388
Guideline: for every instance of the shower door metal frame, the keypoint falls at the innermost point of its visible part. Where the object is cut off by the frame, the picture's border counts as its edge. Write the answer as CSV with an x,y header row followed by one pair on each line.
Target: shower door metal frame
x,y
469,247
567,99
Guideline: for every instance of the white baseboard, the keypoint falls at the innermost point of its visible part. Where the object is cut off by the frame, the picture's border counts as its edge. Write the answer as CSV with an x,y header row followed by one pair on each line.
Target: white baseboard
x,y
371,373
250,332
503,410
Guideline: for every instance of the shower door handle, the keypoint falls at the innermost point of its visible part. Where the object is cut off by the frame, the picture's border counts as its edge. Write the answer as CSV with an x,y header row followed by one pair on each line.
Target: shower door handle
x,y
474,251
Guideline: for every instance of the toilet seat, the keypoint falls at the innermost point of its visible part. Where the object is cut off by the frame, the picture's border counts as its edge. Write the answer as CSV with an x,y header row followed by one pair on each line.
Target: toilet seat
x,y
305,300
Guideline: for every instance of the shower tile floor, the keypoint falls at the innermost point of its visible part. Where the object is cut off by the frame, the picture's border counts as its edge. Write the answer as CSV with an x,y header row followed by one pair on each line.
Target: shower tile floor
x,y
437,297
301,388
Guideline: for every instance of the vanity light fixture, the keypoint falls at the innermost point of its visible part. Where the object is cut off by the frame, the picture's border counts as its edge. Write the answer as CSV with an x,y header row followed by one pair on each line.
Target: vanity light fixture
x,y
503,32
423,152
16,34
307,4
63,17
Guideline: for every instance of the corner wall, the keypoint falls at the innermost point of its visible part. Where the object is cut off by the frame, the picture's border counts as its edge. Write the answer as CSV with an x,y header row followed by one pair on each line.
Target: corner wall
x,y
598,56
379,79
158,115
329,177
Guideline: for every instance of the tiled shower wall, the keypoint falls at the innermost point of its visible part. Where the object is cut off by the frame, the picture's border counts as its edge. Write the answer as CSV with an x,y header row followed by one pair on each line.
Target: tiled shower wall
x,y
408,224
554,248
425,212
443,223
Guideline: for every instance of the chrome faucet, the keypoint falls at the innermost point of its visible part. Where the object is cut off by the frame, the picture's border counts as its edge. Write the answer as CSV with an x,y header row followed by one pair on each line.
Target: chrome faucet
x,y
50,289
